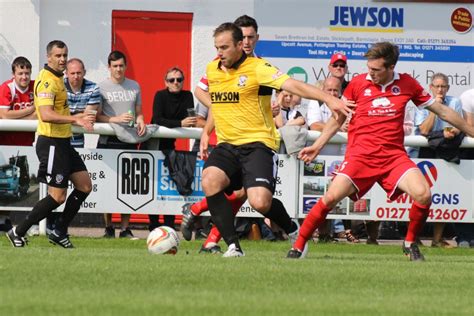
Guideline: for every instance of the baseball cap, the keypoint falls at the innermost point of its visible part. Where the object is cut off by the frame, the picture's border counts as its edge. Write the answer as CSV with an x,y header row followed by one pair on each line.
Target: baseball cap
x,y
338,56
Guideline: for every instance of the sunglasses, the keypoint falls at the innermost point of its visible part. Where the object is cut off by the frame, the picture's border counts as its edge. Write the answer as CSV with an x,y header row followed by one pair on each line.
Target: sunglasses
x,y
173,80
338,65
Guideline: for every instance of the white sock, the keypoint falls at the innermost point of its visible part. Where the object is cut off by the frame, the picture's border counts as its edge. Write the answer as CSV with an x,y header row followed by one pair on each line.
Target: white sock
x,y
408,243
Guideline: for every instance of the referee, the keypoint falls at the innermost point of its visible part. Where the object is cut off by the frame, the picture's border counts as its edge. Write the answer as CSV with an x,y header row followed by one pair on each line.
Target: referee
x,y
59,161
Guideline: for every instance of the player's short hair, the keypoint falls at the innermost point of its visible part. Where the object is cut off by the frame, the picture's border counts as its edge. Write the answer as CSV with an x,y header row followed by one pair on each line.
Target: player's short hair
x,y
76,60
440,75
116,55
246,21
173,69
55,43
386,50
20,62
237,35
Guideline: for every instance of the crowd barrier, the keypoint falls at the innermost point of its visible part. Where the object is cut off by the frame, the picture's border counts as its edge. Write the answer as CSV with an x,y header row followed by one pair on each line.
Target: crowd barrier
x,y
138,182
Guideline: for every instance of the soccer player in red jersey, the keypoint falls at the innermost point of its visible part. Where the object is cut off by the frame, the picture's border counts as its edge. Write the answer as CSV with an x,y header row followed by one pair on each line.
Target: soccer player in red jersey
x,y
375,152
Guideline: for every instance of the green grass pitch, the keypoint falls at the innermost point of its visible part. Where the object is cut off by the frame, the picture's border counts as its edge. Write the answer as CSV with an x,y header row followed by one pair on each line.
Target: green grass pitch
x,y
119,277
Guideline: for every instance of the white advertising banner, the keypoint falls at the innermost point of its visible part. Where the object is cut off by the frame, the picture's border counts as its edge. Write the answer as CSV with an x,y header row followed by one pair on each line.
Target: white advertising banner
x,y
434,37
139,182
451,185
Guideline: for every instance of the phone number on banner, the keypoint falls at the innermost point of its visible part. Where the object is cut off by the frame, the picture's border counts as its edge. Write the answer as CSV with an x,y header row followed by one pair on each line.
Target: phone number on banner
x,y
401,213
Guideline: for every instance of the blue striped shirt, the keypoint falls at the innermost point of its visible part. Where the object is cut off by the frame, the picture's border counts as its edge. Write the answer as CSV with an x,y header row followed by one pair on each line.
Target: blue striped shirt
x,y
78,101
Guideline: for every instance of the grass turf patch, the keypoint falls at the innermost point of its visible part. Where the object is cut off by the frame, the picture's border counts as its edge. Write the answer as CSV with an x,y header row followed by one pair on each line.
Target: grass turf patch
x,y
118,277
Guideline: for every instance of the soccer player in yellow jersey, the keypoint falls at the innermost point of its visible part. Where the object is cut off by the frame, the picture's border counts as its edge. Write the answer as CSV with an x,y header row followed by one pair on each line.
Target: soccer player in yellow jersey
x,y
59,161
247,139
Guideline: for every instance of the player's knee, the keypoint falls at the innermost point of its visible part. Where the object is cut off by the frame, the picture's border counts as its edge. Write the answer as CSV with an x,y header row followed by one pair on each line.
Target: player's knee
x,y
85,187
210,186
330,199
260,203
59,198
422,195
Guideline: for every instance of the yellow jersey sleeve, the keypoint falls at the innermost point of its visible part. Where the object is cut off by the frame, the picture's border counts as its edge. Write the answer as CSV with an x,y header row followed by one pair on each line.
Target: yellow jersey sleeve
x,y
270,76
45,92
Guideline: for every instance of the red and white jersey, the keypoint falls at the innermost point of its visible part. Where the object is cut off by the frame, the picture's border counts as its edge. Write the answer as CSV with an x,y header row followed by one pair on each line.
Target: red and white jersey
x,y
13,98
376,127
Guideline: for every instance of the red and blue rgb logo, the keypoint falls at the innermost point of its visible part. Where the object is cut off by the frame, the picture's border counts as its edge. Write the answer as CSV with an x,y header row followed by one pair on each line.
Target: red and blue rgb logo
x,y
429,171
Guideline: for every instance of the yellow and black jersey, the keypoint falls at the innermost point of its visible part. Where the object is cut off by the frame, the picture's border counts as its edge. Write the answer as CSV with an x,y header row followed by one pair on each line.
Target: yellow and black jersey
x,y
241,101
50,90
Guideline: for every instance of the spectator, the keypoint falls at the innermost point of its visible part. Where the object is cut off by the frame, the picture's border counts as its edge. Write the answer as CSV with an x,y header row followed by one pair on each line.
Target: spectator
x,y
170,109
427,123
338,69
122,104
465,232
82,96
16,102
59,161
290,110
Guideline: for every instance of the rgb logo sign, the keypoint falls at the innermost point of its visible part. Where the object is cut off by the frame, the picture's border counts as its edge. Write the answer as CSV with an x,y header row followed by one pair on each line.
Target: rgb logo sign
x,y
135,179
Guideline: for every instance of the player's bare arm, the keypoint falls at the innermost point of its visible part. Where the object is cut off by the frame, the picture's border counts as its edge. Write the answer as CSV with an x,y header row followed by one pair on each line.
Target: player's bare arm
x,y
203,97
206,131
331,127
48,115
307,91
449,115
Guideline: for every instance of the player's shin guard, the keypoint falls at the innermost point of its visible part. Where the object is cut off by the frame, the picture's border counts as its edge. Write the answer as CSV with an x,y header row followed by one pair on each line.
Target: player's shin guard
x,y
40,211
279,215
223,217
316,217
214,235
418,215
73,204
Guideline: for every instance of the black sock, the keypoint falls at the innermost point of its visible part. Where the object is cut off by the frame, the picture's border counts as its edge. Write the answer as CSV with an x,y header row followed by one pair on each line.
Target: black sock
x,y
73,204
41,209
223,217
278,214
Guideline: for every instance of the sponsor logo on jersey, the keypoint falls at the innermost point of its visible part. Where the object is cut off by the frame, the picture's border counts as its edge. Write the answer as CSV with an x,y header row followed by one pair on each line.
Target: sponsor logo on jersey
x,y
225,97
59,178
242,81
395,90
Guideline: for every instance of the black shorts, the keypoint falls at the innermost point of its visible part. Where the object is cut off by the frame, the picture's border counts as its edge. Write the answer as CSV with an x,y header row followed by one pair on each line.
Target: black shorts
x,y
58,160
249,165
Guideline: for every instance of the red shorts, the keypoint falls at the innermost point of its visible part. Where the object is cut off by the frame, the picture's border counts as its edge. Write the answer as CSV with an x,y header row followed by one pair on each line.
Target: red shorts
x,y
364,173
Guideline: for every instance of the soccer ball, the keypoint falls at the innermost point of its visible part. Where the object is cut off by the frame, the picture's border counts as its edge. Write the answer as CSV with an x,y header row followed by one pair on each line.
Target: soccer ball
x,y
163,240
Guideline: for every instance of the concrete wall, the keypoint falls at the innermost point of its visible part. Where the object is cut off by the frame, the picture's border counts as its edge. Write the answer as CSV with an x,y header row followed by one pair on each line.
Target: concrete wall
x,y
26,26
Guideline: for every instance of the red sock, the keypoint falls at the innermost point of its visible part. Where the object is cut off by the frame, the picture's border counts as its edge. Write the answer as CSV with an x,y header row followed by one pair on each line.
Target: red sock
x,y
214,236
418,215
235,202
316,217
199,207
